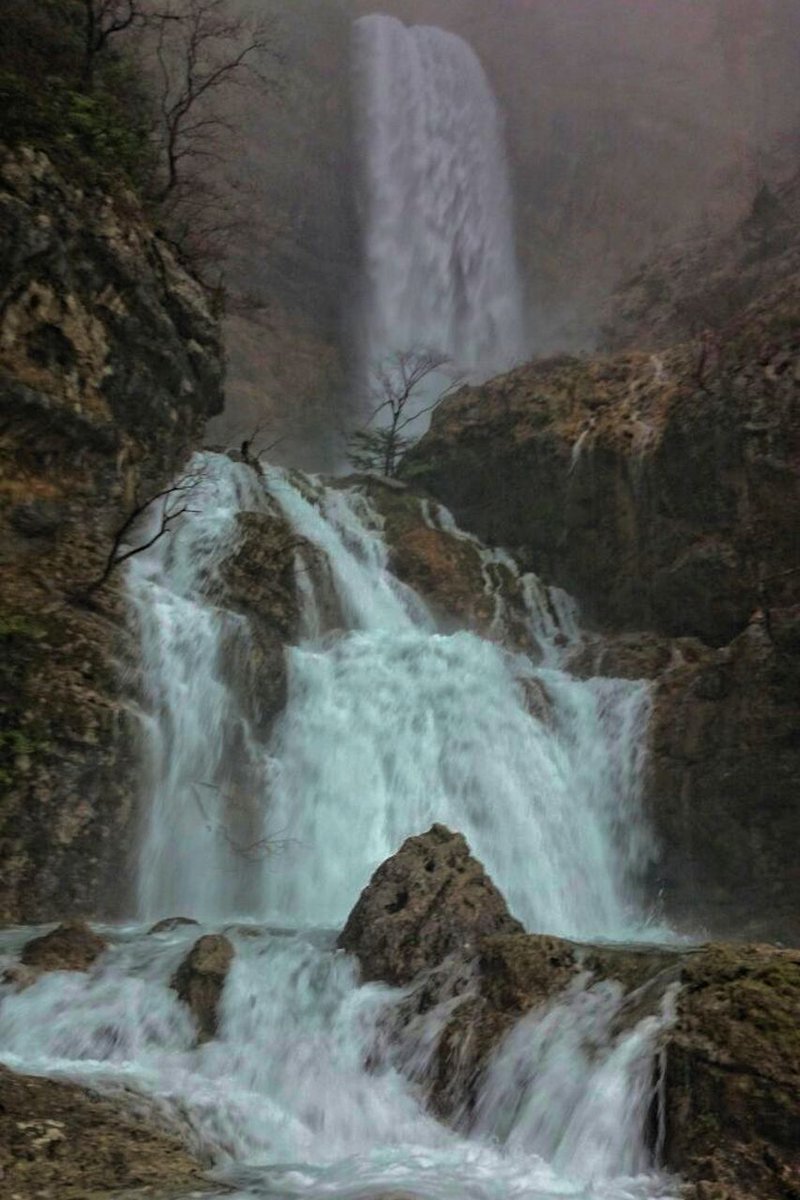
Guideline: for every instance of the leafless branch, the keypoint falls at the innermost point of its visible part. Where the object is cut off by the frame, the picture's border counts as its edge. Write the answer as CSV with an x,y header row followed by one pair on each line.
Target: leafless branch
x,y
171,511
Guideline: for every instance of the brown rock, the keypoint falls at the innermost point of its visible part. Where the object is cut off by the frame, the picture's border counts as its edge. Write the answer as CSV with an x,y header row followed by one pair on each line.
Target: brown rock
x,y
446,570
61,1141
170,923
429,900
73,946
732,1086
200,979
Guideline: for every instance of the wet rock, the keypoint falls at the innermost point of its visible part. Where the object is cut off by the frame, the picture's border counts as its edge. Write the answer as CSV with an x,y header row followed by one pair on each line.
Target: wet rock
x,y
200,979
257,579
732,1084
73,946
660,495
37,518
447,570
61,1141
170,923
428,901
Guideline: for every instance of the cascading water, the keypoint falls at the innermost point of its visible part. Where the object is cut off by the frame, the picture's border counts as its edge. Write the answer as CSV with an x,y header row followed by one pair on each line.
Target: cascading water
x,y
389,726
440,259
198,740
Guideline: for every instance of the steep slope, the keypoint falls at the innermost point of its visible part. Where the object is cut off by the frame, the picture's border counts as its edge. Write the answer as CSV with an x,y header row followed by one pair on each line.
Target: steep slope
x,y
110,363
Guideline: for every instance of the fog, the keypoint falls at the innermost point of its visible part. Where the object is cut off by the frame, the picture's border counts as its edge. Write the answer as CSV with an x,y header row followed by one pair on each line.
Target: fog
x,y
632,125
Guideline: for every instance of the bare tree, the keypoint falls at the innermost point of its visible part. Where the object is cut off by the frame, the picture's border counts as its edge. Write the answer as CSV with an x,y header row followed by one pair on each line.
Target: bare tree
x,y
397,383
254,851
103,20
204,48
174,505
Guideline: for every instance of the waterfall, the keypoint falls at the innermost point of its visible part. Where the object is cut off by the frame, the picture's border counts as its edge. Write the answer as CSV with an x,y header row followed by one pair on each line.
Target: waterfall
x,y
199,744
390,725
440,259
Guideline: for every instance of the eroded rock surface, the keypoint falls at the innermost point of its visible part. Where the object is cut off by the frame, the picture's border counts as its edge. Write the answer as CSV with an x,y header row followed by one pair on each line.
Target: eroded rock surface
x,y
61,1142
732,1087
200,980
429,900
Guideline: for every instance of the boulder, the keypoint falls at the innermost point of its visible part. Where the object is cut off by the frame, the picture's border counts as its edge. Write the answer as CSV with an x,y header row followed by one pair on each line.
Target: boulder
x,y
428,901
200,979
73,946
59,1140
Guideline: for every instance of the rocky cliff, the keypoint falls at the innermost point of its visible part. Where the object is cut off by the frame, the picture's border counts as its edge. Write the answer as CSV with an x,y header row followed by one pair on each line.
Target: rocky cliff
x,y
110,364
663,491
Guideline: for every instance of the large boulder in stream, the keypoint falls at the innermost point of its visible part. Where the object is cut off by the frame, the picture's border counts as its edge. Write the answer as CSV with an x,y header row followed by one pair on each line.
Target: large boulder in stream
x,y
428,901
73,946
200,979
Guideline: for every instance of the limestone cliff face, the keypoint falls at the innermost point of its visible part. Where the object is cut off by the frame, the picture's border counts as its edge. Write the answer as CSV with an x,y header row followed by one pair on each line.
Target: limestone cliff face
x,y
110,363
663,491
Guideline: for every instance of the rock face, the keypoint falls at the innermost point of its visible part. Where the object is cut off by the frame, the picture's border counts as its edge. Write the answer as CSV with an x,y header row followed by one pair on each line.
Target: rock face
x,y
110,363
200,979
71,947
60,1142
663,492
732,1083
429,900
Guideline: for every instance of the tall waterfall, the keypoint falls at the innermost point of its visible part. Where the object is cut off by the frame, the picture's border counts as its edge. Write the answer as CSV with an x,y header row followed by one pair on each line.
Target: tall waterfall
x,y
440,259
390,725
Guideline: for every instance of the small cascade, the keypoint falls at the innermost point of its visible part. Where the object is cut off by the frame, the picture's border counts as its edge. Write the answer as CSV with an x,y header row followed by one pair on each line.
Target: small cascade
x,y
200,750
440,259
391,727
283,1099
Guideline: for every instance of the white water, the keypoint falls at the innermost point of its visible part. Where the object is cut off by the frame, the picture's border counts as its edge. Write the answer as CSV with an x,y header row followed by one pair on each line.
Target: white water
x,y
390,725
440,258
283,1103
199,744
